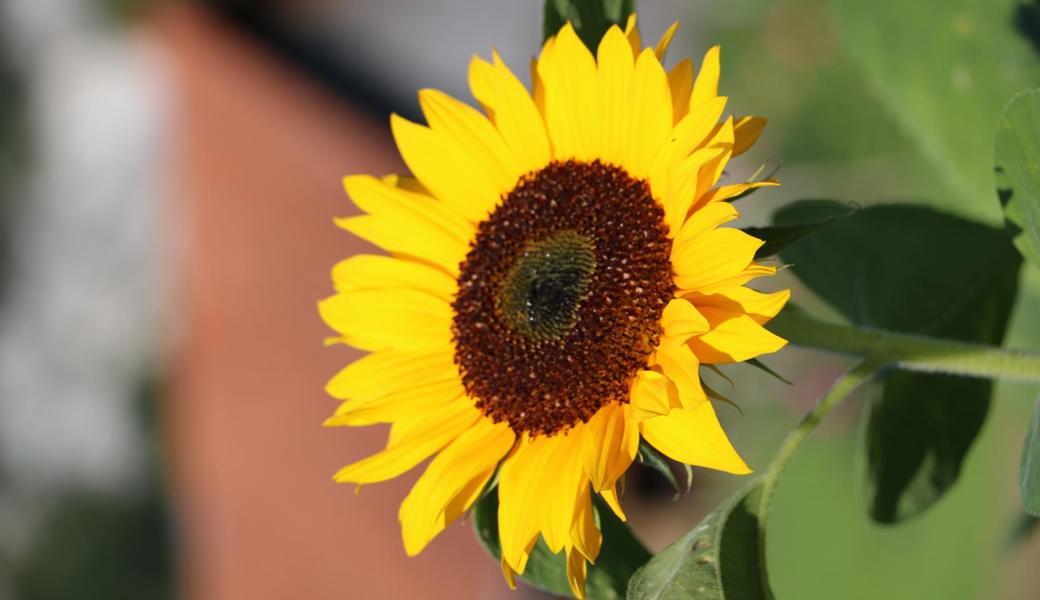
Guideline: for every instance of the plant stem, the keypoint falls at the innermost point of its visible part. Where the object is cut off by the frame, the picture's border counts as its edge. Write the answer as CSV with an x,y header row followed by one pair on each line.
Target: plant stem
x,y
842,388
908,351
767,479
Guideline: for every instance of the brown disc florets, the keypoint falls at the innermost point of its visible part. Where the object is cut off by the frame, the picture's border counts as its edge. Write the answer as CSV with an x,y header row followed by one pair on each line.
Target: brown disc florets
x,y
560,296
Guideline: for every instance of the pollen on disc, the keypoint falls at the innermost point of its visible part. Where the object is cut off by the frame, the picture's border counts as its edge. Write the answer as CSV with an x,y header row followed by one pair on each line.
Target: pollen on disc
x,y
560,296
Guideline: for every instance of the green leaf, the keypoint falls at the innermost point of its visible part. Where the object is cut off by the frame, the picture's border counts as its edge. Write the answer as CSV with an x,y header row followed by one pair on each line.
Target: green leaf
x,y
912,269
944,71
1029,470
778,237
620,556
653,459
1018,171
591,18
723,557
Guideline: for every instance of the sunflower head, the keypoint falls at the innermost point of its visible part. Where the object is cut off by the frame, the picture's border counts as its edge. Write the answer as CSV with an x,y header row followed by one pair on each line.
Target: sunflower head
x,y
556,275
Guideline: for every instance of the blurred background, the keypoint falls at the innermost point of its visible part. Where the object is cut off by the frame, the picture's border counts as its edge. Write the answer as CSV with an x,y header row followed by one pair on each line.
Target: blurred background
x,y
169,172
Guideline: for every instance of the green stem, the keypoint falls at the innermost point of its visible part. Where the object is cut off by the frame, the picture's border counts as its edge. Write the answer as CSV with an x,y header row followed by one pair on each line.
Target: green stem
x,y
759,500
908,351
842,388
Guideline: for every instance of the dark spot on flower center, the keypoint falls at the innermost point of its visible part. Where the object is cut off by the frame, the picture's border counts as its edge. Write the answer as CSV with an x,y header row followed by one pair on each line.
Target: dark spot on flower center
x,y
560,296
540,295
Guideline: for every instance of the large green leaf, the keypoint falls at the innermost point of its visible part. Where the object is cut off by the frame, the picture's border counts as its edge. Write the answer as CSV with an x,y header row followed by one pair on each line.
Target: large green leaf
x,y
944,70
913,269
720,558
1029,473
620,555
591,18
1018,171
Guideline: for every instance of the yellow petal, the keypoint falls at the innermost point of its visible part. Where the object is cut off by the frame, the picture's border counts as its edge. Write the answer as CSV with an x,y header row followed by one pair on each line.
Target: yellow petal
x,y
666,39
576,572
680,82
746,131
370,271
706,85
442,165
712,170
568,71
745,275
653,394
680,321
682,186
408,223
473,137
673,172
419,398
701,222
452,482
681,366
741,300
613,78
508,573
651,120
735,338
482,85
725,192
389,318
513,111
520,498
436,431
695,437
609,445
713,256
632,33
561,485
611,498
386,371
585,535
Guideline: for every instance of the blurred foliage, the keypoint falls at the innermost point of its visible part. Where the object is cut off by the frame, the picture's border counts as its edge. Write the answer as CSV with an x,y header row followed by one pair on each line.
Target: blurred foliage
x,y
100,546
14,157
944,71
95,548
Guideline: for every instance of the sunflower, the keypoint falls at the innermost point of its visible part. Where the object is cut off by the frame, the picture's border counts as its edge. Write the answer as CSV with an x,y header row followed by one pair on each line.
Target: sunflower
x,y
556,276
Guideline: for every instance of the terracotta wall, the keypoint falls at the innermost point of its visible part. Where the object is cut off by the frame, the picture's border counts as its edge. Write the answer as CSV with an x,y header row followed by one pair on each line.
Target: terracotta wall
x,y
260,152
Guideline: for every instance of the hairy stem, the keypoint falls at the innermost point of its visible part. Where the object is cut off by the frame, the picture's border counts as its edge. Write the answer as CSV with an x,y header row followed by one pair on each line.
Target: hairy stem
x,y
908,351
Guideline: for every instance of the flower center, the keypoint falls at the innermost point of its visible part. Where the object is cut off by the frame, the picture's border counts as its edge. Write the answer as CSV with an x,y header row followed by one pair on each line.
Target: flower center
x,y
560,296
540,295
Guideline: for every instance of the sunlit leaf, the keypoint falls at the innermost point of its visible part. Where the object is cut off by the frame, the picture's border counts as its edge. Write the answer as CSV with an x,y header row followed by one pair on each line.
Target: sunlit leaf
x,y
1018,171
913,269
721,558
